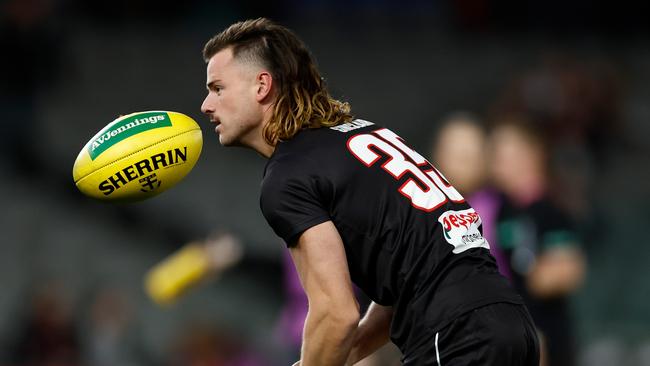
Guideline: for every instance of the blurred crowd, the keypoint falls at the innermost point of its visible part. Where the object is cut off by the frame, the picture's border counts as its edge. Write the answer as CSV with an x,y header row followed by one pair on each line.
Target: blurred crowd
x,y
52,331
531,160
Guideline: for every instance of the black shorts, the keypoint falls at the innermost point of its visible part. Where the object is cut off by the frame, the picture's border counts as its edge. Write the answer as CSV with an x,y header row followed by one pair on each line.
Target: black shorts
x,y
500,334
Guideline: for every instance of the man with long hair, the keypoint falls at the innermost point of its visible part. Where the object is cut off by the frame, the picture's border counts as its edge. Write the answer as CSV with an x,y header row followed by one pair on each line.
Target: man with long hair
x,y
355,204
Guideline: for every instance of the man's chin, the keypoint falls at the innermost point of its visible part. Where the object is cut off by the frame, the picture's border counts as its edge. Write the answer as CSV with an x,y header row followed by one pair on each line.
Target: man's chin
x,y
224,141
228,142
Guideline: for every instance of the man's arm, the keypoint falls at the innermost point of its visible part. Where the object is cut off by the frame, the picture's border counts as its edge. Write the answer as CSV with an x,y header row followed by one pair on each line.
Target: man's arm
x,y
557,272
333,314
372,332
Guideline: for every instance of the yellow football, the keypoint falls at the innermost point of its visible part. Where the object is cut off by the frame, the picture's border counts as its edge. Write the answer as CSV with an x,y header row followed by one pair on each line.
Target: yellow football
x,y
138,156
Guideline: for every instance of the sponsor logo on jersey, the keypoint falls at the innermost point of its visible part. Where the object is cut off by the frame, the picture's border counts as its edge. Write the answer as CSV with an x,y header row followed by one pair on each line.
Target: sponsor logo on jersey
x,y
126,128
461,229
145,170
350,126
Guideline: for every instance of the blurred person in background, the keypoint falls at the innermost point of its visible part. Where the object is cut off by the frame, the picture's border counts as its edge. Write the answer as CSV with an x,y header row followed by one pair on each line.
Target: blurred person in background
x,y
539,241
460,151
577,102
107,340
351,204
48,334
201,344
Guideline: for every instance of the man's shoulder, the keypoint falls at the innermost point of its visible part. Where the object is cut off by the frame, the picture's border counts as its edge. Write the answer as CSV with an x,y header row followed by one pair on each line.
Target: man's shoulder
x,y
287,161
287,167
313,152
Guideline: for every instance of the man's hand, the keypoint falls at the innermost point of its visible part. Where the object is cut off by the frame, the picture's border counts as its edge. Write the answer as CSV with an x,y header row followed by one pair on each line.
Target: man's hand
x,y
558,272
372,333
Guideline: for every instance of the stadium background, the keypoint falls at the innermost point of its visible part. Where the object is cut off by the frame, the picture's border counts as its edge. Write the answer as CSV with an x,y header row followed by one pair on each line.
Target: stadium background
x,y
68,67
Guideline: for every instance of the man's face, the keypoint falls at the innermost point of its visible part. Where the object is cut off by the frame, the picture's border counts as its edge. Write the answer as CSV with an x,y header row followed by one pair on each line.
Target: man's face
x,y
231,101
460,155
517,165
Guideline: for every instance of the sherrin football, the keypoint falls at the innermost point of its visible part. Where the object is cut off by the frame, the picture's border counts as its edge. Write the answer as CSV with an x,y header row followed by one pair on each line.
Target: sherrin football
x,y
138,156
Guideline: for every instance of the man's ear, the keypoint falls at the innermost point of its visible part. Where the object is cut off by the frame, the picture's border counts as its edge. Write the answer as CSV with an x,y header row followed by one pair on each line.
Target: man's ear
x,y
264,86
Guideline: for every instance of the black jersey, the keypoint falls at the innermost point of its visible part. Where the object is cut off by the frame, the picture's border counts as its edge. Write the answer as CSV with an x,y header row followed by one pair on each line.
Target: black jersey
x,y
411,240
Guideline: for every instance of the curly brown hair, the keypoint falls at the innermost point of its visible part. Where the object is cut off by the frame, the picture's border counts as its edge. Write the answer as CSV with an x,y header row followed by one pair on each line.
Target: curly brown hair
x,y
302,99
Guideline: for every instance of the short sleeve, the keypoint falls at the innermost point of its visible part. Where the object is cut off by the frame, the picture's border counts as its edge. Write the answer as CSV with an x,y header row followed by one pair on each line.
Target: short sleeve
x,y
292,203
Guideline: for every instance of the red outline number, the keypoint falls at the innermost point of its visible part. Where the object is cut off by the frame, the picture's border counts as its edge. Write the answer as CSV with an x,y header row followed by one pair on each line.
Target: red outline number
x,y
426,187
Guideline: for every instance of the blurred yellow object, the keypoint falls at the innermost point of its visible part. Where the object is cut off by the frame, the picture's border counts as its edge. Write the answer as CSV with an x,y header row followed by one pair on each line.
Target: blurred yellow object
x,y
196,261
170,278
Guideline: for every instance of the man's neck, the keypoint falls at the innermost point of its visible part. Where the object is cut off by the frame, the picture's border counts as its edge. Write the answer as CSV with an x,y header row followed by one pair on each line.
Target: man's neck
x,y
258,142
264,149
260,145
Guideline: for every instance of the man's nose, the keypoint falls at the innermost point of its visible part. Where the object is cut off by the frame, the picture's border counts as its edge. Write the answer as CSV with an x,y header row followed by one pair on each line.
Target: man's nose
x,y
206,107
